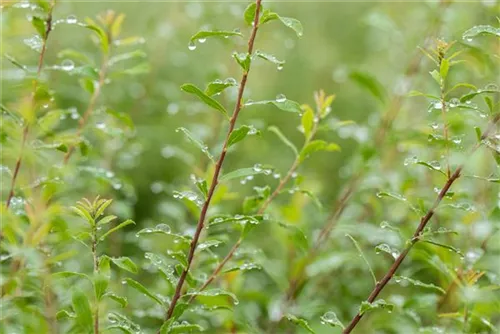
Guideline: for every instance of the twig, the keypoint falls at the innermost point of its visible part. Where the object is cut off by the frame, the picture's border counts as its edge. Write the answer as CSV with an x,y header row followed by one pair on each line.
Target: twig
x,y
26,129
423,223
96,270
262,209
218,166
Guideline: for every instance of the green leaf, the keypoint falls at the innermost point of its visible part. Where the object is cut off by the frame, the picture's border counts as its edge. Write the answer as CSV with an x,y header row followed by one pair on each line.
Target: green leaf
x,y
243,172
270,58
84,214
179,256
192,89
184,327
249,14
298,236
121,117
101,34
167,271
289,22
284,139
64,314
125,263
163,229
243,267
299,322
106,220
436,76
214,298
402,280
239,134
285,105
198,143
15,62
370,83
39,25
215,33
75,55
66,274
386,249
100,285
218,86
88,85
448,247
471,95
126,56
360,251
118,227
119,299
208,244
81,306
317,145
243,59
307,122
142,289
330,318
293,24
444,68
481,30
119,321
378,304
141,68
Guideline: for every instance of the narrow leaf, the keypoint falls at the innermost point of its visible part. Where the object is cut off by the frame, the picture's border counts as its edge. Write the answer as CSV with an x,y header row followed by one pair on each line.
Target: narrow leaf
x,y
192,89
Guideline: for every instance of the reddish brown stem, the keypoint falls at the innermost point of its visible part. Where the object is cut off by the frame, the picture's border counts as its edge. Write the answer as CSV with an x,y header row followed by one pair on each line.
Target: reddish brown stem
x,y
423,223
26,129
218,166
262,209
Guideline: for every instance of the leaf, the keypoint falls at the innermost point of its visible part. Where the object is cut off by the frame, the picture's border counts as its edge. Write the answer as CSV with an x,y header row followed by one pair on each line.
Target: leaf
x,y
100,285
448,247
163,229
317,145
15,62
241,220
360,251
64,314
114,229
39,25
378,304
386,249
192,89
307,122
106,220
125,263
481,30
444,68
198,143
370,83
432,165
215,33
184,327
167,271
239,134
119,299
285,140
293,24
218,86
139,287
243,172
81,306
471,95
244,267
208,244
400,279
330,318
141,68
243,59
119,321
436,76
299,238
103,205
214,298
299,322
126,56
116,26
270,58
84,214
66,274
179,256
121,117
249,13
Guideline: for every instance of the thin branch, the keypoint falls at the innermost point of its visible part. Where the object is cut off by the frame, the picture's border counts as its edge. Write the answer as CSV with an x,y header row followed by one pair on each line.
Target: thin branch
x,y
218,166
262,209
423,223
96,271
26,129
356,178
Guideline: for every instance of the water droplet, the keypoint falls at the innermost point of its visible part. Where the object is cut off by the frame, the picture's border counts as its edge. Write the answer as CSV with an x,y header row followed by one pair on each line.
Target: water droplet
x,y
276,175
100,125
191,46
67,65
279,67
202,40
257,168
412,160
435,164
281,98
294,175
437,105
491,87
454,102
71,19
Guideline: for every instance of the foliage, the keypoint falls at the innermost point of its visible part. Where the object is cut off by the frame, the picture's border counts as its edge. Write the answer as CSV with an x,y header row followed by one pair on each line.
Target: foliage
x,y
368,210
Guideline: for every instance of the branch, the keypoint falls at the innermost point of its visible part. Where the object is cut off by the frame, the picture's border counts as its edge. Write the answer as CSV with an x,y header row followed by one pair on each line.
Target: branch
x,y
26,129
218,166
423,223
